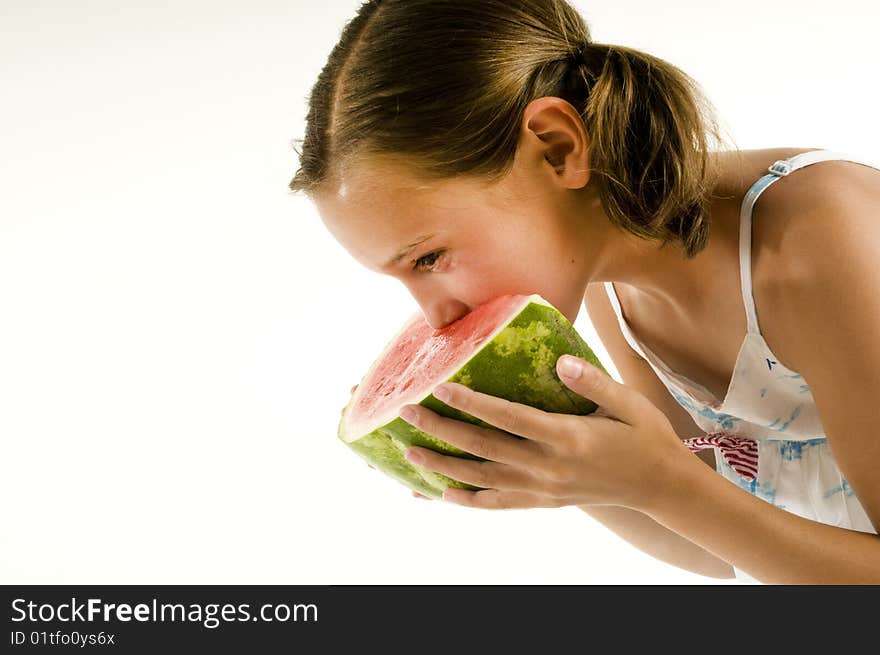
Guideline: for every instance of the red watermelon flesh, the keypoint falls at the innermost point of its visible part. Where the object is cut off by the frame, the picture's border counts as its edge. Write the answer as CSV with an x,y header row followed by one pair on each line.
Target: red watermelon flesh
x,y
419,357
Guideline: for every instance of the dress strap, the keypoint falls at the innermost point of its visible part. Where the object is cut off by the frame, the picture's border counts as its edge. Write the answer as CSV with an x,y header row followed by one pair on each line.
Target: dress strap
x,y
778,169
624,327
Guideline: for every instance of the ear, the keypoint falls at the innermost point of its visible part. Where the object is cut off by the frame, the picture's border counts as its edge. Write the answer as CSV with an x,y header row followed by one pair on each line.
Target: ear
x,y
553,131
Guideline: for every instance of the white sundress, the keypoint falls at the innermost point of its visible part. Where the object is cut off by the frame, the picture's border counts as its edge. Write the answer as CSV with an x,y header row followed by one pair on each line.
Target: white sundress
x,y
767,434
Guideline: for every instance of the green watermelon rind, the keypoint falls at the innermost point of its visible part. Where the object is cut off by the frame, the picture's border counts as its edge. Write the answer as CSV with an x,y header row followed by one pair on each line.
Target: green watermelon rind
x,y
518,364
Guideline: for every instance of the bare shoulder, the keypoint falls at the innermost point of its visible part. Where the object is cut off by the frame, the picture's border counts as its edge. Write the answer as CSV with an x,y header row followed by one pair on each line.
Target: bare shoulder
x,y
806,208
817,212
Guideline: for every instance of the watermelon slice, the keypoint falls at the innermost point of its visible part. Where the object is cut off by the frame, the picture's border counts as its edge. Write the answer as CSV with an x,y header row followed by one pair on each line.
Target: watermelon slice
x,y
506,347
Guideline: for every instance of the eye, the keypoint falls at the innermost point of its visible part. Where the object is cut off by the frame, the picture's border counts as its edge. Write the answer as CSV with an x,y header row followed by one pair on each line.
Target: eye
x,y
430,258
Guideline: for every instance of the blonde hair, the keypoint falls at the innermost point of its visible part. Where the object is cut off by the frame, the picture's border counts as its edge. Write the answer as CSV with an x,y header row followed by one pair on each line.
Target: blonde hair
x,y
442,85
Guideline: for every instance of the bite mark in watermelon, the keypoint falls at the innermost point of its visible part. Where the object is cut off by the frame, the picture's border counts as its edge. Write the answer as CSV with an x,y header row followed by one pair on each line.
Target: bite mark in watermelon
x,y
506,347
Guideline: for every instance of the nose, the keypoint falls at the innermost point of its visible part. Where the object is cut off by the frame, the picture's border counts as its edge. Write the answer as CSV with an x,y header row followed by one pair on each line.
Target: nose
x,y
439,307
439,315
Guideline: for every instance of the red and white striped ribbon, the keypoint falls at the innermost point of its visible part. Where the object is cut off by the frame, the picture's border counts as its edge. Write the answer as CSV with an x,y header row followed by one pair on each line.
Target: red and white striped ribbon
x,y
741,454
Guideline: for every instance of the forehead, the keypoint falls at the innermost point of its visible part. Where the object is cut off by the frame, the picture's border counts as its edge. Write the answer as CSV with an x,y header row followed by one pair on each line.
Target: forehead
x,y
377,181
387,188
375,211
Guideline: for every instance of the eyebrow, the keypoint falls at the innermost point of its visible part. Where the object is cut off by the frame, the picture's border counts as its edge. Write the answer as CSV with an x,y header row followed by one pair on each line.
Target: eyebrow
x,y
406,249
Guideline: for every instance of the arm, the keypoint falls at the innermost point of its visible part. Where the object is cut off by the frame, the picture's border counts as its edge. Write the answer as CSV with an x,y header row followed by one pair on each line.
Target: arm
x,y
639,529
652,538
770,544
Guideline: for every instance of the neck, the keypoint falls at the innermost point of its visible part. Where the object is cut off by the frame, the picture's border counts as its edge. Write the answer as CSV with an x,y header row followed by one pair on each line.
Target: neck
x,y
663,275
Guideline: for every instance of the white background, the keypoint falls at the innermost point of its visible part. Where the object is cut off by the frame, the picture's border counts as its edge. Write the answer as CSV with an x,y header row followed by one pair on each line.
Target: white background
x,y
178,334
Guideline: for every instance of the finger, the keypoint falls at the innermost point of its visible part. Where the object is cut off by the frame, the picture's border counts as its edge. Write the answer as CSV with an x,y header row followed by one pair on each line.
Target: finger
x,y
615,399
483,442
418,495
479,474
498,499
516,418
353,388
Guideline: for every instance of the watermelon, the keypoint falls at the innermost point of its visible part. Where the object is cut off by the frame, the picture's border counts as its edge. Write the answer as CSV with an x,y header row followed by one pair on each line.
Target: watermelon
x,y
506,347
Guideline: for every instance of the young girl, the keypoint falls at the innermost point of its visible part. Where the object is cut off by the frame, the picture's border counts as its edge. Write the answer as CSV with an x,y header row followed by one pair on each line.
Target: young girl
x,y
477,148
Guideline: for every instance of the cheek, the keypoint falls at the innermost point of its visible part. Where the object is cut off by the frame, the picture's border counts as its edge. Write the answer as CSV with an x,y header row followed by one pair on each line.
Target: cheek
x,y
470,277
540,270
493,273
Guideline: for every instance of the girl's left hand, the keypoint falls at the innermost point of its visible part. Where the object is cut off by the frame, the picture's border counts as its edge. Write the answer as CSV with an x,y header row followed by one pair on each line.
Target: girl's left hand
x,y
625,453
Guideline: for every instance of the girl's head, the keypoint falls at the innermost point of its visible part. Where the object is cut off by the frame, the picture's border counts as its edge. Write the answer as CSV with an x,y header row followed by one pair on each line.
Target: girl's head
x,y
500,126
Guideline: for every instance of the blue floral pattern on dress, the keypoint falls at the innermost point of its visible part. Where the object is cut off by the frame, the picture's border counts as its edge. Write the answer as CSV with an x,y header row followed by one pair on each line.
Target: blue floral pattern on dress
x,y
764,490
792,450
842,487
724,421
784,427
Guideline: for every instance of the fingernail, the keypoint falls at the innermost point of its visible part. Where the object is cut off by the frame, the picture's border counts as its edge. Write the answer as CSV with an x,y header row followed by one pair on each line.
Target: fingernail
x,y
408,414
413,456
570,367
442,394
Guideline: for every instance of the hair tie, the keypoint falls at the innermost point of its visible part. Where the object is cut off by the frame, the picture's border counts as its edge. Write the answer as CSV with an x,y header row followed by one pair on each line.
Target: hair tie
x,y
580,52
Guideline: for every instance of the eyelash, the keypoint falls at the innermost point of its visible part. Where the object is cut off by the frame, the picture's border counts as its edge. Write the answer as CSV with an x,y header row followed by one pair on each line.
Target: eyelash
x,y
418,266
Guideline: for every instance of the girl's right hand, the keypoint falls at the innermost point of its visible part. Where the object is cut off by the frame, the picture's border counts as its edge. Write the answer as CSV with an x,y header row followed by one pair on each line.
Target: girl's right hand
x,y
414,493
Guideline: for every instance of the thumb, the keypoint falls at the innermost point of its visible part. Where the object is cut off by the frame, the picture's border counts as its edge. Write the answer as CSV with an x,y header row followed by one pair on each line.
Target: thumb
x,y
614,399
